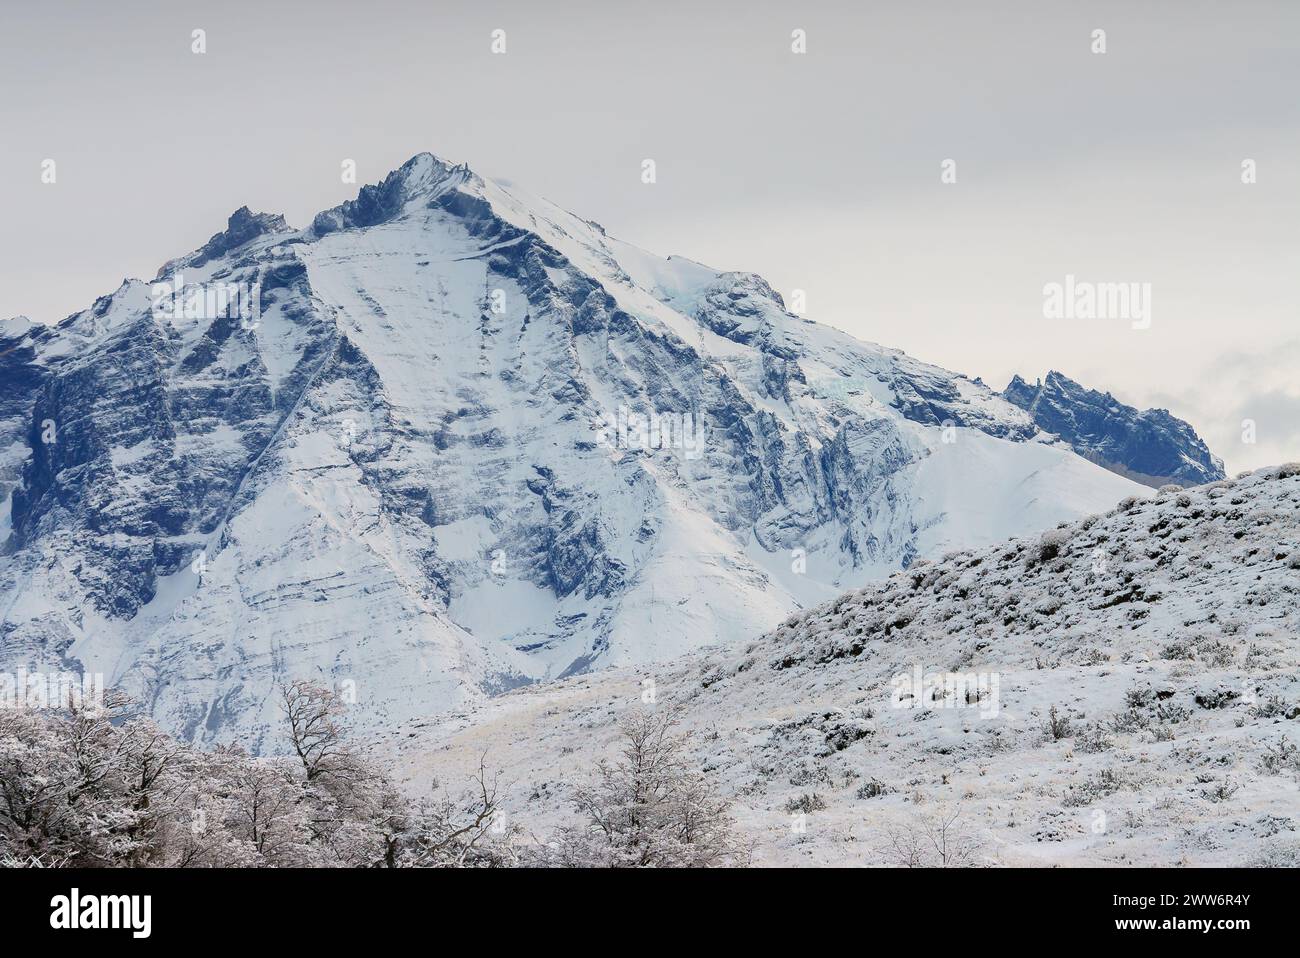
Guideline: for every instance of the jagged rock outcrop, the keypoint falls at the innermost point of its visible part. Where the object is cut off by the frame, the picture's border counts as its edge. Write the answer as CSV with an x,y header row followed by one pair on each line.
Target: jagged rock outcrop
x,y
1150,446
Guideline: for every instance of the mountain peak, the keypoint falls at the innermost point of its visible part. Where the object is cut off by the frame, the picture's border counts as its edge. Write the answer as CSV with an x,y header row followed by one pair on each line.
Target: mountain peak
x,y
1059,382
1151,446
242,227
421,178
425,163
14,327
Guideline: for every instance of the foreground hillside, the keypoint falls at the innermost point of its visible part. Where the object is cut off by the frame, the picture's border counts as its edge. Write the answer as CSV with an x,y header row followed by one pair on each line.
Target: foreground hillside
x,y
1128,695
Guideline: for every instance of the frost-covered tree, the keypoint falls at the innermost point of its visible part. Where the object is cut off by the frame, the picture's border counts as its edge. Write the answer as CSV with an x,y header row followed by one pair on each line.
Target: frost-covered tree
x,y
652,808
314,714
98,788
86,787
469,832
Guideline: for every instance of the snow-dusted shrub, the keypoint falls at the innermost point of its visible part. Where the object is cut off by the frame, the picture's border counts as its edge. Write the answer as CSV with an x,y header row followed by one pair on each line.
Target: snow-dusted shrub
x,y
1201,648
1104,783
1219,791
1277,856
1216,698
1148,708
1091,656
1140,697
1284,757
810,772
1092,739
842,731
1048,605
807,802
1170,713
1258,657
1215,653
1231,625
1274,707
1057,726
872,789
711,674
1050,545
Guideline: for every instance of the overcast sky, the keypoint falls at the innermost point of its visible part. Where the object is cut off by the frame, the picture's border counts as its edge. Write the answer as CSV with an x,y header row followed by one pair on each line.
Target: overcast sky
x,y
819,171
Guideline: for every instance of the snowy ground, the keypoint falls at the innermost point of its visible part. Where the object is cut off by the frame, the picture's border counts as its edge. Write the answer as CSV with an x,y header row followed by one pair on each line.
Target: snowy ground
x,y
1163,634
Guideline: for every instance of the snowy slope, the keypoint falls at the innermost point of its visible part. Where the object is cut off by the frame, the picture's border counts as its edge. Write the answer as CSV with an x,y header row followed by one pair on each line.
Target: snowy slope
x,y
414,473
1161,636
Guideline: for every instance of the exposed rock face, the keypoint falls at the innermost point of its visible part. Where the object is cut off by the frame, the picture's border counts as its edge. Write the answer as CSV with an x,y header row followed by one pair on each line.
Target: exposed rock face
x,y
243,227
1150,446
467,441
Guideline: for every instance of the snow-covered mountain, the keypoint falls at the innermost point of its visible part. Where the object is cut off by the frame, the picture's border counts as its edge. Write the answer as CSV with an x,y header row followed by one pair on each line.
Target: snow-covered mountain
x,y
1151,446
1120,691
463,441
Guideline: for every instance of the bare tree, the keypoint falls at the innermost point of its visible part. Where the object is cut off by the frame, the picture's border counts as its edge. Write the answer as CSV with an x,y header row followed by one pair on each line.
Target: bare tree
x,y
269,814
466,833
84,786
313,713
96,788
903,846
651,808
931,841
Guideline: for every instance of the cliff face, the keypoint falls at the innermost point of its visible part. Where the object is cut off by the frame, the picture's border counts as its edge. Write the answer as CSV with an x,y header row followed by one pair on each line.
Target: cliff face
x,y
1150,446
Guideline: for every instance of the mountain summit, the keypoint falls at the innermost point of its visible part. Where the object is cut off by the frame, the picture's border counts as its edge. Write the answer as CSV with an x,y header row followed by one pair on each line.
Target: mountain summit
x,y
462,441
1151,446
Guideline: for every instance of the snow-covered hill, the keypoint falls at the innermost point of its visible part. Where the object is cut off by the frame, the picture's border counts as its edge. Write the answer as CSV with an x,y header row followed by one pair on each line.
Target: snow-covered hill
x,y
1122,690
465,441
